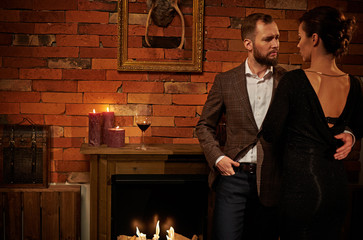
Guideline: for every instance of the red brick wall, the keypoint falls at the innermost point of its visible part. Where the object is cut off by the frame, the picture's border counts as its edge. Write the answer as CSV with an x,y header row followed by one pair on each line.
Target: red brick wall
x,y
58,61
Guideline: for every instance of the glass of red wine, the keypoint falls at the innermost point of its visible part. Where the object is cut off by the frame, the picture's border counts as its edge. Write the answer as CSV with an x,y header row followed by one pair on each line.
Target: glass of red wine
x,y
143,122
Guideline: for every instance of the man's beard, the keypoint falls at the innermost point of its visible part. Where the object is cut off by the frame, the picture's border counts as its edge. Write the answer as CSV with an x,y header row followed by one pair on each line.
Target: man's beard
x,y
264,60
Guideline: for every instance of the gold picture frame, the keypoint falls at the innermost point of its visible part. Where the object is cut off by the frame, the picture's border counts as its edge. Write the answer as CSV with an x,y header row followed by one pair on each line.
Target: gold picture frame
x,y
134,55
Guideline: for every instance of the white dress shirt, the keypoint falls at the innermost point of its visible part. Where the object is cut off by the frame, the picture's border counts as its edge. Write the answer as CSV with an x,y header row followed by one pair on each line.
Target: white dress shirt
x,y
260,94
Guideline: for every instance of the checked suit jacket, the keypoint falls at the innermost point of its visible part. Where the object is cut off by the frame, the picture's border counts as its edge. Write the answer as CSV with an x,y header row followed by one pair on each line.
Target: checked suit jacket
x,y
229,97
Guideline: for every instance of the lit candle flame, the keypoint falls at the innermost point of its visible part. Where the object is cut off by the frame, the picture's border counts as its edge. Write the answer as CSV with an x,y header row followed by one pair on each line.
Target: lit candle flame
x,y
140,235
117,127
108,109
170,235
94,111
157,232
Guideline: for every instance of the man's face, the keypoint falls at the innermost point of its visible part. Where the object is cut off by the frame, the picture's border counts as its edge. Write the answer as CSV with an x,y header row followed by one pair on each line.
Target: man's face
x,y
266,44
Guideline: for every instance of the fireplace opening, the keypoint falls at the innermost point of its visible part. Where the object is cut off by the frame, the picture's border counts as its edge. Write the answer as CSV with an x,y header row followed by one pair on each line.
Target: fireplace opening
x,y
178,201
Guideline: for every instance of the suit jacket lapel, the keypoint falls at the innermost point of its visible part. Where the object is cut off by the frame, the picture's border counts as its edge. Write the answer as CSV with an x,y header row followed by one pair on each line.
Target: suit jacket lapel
x,y
240,91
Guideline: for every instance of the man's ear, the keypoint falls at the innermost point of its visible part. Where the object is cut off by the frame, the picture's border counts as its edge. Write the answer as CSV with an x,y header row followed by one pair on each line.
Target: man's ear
x,y
316,39
248,44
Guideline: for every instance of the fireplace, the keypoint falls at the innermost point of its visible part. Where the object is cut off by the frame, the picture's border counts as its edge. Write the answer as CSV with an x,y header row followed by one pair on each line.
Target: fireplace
x,y
179,201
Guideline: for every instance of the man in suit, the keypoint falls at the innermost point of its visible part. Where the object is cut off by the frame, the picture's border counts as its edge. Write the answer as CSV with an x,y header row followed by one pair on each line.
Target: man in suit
x,y
244,175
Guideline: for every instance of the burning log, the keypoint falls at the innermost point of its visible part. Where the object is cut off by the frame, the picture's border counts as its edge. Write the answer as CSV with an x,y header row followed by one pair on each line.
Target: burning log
x,y
177,237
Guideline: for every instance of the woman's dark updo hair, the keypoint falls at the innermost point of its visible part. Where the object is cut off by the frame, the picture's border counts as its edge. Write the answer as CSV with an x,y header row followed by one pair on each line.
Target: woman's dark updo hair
x,y
331,26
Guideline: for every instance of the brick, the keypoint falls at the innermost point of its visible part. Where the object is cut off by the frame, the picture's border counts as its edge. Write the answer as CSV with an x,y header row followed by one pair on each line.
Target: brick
x,y
56,131
355,49
87,16
171,87
293,36
226,56
131,109
123,121
275,13
169,77
99,86
142,87
216,21
63,120
287,24
17,28
104,63
78,40
84,74
284,58
134,42
186,122
113,18
76,131
137,7
178,54
109,41
73,154
212,2
15,119
146,53
215,44
236,46
56,154
9,73
353,69
287,4
295,59
115,98
33,40
98,29
54,86
9,15
244,3
9,108
288,47
126,76
342,5
40,73
56,28
163,121
86,52
225,11
212,67
84,109
55,5
185,141
184,111
42,108
52,97
223,33
72,166
204,77
351,59
42,17
172,132
294,14
39,51
149,98
69,63
6,39
23,62
15,85
58,177
93,5
284,36
20,4
64,142
189,99
19,97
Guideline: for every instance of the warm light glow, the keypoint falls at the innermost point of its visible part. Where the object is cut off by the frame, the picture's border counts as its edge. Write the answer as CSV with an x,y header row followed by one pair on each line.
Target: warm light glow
x,y
117,127
108,109
170,235
94,111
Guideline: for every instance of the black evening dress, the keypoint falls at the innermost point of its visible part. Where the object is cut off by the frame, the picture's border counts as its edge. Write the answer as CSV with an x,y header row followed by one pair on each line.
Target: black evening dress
x,y
314,190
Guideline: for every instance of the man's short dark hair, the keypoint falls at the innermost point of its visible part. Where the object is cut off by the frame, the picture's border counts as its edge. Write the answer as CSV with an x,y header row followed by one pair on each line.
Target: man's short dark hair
x,y
248,27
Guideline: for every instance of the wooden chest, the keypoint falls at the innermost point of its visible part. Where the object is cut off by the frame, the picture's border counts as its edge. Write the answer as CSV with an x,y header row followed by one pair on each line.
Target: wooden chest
x,y
24,155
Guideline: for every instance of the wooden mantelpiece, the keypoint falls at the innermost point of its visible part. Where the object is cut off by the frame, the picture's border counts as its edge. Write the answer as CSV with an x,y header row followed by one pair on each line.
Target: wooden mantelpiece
x,y
157,159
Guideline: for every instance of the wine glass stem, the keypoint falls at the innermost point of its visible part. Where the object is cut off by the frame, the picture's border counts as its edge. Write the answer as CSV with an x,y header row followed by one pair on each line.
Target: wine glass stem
x,y
142,140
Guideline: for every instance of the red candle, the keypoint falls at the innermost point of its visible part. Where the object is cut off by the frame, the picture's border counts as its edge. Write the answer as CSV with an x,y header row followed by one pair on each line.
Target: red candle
x,y
108,121
94,128
116,137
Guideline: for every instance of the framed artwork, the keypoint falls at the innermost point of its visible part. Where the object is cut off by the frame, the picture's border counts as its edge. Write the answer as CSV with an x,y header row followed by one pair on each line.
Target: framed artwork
x,y
160,35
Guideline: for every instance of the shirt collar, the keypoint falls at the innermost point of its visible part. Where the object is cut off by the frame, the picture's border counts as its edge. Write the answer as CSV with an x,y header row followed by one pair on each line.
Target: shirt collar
x,y
248,72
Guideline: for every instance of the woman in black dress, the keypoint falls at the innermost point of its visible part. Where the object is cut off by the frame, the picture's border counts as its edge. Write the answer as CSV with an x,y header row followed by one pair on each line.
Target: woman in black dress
x,y
309,108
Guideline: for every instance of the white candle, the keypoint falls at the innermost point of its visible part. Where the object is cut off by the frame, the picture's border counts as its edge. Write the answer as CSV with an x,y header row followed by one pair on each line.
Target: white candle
x,y
170,235
157,232
140,235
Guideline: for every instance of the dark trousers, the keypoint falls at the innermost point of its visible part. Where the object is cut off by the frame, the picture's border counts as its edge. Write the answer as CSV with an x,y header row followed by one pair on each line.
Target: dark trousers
x,y
238,213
